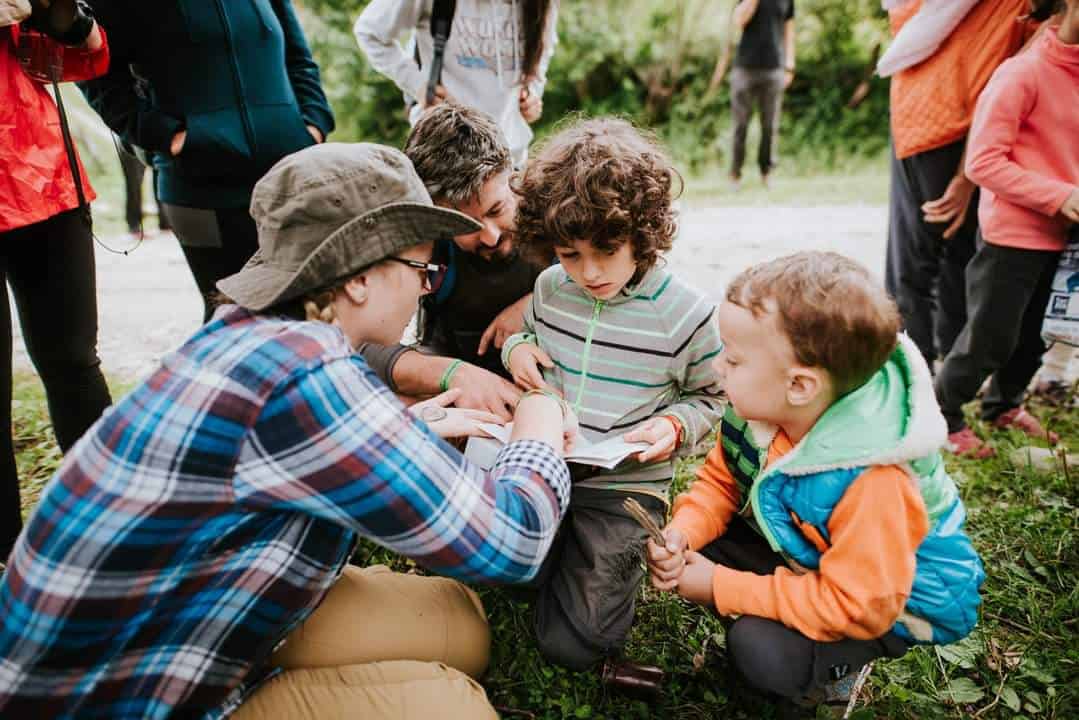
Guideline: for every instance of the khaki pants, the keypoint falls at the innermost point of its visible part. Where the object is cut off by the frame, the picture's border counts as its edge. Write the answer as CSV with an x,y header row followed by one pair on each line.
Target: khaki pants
x,y
382,646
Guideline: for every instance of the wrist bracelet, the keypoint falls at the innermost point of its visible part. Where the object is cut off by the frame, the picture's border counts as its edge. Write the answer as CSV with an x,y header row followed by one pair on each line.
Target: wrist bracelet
x,y
679,431
444,383
562,404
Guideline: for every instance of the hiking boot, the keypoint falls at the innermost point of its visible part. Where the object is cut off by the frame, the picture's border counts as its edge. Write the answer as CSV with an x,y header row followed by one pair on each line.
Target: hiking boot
x,y
965,443
1021,420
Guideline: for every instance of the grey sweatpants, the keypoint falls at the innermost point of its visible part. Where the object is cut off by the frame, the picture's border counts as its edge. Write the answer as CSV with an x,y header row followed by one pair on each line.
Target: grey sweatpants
x,y
587,586
923,271
753,87
1007,291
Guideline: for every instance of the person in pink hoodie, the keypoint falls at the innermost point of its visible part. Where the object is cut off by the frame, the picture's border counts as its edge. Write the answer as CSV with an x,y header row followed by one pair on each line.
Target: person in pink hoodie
x,y
1023,152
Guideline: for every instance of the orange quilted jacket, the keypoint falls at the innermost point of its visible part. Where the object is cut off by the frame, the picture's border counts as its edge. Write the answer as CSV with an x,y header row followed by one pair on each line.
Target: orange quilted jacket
x,y
932,103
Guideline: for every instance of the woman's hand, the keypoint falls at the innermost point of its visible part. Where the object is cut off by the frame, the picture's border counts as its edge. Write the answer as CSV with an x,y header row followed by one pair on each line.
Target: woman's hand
x,y
451,422
535,419
570,430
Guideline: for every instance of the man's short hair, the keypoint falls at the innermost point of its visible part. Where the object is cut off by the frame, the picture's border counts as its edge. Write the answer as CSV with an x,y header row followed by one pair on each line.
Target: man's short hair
x,y
455,150
834,313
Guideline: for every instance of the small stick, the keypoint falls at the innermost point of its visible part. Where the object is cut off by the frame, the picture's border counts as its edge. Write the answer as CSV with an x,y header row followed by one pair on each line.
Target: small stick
x,y
641,515
859,683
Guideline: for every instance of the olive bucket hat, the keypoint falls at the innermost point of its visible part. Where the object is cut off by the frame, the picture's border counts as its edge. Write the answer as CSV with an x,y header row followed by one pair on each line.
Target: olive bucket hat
x,y
329,211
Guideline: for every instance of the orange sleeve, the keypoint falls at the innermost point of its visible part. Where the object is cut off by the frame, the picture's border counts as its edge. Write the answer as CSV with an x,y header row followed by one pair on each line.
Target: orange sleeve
x,y
865,576
703,511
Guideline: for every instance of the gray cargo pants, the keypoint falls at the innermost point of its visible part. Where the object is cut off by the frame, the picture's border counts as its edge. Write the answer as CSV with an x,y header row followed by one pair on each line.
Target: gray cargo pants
x,y
764,89
587,586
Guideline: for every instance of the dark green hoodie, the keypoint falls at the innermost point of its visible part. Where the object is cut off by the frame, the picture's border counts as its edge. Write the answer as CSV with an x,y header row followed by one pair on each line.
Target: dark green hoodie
x,y
237,75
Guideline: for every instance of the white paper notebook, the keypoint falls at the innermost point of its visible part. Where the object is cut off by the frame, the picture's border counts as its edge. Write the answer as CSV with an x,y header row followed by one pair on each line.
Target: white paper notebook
x,y
606,454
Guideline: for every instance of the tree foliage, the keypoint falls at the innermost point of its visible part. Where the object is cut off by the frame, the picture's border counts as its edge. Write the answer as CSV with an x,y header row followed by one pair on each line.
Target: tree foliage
x,y
652,61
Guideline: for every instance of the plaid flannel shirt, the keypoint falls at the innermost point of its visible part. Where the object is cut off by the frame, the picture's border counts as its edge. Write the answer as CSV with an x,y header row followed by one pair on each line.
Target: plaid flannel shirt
x,y
205,515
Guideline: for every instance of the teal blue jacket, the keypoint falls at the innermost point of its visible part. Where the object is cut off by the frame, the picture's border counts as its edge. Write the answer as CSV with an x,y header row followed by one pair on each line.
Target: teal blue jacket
x,y
237,75
891,420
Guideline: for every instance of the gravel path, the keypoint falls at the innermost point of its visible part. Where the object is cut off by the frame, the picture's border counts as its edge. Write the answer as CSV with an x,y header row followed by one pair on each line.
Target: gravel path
x,y
147,301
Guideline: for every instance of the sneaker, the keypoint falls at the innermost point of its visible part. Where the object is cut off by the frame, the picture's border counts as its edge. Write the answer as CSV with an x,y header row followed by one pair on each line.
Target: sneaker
x,y
1054,392
965,443
1019,419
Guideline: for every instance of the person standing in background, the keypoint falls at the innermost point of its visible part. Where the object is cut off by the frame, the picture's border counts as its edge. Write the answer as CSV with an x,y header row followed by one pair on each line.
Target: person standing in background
x,y
496,57
763,69
46,243
932,204
218,92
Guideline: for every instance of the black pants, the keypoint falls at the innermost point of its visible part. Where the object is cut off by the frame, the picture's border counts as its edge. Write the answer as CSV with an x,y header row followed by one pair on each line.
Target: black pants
x,y
215,243
133,174
50,268
587,586
763,89
923,271
1007,291
773,658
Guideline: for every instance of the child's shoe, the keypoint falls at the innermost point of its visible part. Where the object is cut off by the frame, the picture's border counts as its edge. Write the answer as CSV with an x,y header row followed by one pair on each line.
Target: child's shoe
x,y
1023,421
1058,393
965,443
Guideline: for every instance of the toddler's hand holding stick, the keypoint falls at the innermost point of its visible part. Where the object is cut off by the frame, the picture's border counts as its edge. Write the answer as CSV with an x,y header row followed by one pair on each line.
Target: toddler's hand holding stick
x,y
637,511
665,551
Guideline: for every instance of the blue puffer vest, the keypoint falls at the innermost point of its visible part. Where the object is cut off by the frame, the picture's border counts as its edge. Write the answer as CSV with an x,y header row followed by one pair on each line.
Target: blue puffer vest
x,y
891,420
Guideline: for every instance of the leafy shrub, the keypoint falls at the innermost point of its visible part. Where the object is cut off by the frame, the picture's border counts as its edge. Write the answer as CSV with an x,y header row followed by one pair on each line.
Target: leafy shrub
x,y
651,61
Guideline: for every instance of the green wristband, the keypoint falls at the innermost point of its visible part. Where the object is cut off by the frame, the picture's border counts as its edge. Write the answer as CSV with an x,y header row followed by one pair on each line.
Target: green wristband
x,y
444,383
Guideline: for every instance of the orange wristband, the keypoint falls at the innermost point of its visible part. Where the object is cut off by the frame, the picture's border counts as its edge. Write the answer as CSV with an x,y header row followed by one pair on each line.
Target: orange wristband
x,y
679,431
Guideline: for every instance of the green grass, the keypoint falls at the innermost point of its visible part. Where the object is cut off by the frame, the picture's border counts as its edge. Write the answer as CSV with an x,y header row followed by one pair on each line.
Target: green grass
x,y
1021,662
861,181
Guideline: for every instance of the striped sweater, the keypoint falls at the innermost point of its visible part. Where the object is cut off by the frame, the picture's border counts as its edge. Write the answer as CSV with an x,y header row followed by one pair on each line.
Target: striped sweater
x,y
619,362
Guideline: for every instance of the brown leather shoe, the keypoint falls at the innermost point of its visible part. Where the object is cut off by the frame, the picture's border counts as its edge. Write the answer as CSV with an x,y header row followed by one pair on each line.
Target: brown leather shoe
x,y
641,681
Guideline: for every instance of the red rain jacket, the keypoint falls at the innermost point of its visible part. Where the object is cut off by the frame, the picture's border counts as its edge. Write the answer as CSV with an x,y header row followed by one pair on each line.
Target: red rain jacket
x,y
35,177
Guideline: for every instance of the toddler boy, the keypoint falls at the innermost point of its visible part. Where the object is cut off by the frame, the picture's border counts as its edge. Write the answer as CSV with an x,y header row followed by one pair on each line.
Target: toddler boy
x,y
824,516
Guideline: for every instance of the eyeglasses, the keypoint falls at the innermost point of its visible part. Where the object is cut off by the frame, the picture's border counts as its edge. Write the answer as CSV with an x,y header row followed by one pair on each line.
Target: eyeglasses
x,y
434,274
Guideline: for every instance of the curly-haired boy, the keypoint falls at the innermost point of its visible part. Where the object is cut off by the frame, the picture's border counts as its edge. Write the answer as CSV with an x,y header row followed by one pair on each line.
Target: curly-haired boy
x,y
627,344
824,516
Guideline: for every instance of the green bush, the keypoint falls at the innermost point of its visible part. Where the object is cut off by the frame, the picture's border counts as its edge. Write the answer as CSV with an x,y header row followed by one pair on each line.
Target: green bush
x,y
651,61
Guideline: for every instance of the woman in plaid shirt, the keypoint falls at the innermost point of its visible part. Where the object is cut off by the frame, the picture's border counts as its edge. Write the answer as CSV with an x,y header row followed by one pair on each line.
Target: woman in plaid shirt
x,y
193,530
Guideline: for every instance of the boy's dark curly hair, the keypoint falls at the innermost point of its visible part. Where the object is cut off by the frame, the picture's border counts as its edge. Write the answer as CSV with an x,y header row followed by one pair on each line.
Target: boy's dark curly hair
x,y
601,180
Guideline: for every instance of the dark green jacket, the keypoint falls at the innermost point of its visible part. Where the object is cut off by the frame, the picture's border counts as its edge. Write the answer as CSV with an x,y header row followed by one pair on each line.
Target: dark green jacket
x,y
236,74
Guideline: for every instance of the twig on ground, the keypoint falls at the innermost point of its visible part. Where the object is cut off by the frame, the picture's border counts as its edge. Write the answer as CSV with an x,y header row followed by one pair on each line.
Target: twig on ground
x,y
996,700
859,683
1020,626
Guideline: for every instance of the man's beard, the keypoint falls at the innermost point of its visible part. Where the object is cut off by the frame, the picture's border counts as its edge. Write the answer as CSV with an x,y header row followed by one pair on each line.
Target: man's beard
x,y
502,254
